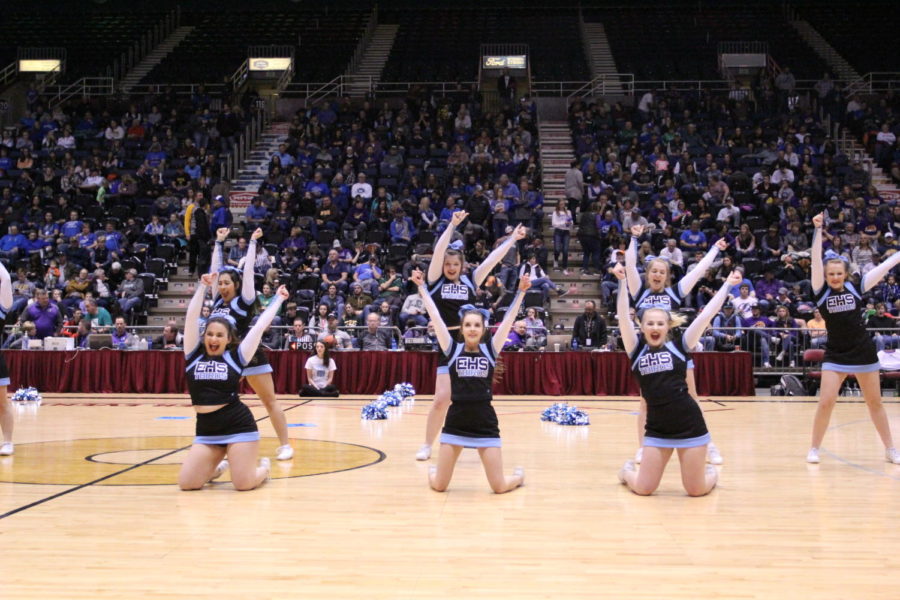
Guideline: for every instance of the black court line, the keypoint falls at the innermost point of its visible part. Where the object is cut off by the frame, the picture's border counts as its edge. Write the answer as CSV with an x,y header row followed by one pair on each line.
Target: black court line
x,y
111,475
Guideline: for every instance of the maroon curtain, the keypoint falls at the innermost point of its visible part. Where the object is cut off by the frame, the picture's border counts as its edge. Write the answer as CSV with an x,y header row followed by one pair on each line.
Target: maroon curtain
x,y
525,373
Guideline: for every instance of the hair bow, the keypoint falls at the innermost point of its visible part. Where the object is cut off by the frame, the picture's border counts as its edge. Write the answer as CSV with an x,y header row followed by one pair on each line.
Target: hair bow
x,y
224,317
650,257
470,307
832,255
456,245
229,269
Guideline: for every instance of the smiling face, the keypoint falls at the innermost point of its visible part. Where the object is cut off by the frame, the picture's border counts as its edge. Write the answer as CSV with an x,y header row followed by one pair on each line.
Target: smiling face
x,y
216,338
452,266
657,275
472,329
227,287
835,273
655,326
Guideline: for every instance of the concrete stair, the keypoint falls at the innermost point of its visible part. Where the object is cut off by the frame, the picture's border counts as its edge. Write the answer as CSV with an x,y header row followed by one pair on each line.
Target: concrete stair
x,y
555,140
825,50
601,57
368,71
146,65
173,302
256,166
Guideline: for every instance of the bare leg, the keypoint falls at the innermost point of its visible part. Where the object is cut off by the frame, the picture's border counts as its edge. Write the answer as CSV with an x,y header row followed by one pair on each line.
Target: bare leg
x,y
492,459
264,387
713,454
245,474
870,383
698,479
642,421
438,411
831,385
199,465
7,417
645,480
439,476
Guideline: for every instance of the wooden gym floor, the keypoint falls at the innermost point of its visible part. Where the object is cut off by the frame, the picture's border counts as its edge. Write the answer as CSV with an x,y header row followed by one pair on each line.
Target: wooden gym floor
x,y
89,509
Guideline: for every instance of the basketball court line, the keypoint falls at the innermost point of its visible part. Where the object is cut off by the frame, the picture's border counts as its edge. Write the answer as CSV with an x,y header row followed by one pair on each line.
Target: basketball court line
x,y
111,475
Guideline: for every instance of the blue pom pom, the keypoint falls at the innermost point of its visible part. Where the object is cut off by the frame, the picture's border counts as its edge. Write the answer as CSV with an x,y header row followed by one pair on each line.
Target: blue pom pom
x,y
391,398
406,390
563,414
375,411
28,394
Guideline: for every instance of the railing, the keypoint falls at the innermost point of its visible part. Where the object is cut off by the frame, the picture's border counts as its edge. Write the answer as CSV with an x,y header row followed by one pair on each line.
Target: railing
x,y
180,89
132,55
325,90
259,120
10,72
872,83
743,47
609,83
86,86
363,41
240,76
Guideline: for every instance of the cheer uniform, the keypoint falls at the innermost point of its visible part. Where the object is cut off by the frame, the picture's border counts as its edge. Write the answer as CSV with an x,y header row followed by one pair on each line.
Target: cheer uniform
x,y
4,370
849,347
239,312
214,380
471,421
450,297
669,299
674,420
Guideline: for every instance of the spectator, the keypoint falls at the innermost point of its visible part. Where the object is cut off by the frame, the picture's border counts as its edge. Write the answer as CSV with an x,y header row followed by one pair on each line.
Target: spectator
x,y
130,293
589,330
298,338
517,337
168,340
320,369
341,340
121,338
373,337
758,334
98,316
45,315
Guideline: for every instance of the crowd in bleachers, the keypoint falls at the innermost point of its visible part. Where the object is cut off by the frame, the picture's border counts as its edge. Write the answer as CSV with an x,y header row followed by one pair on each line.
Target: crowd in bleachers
x,y
92,200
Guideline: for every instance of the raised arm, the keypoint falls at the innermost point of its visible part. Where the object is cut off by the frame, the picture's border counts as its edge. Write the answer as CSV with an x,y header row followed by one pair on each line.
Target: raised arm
x,y
626,328
712,308
688,282
869,280
491,260
511,313
817,275
440,328
632,275
6,295
251,341
192,318
436,268
218,249
248,287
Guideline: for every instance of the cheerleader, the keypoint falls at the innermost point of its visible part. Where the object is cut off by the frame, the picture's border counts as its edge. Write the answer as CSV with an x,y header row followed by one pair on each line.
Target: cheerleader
x,y
849,348
450,289
471,420
7,420
657,290
225,426
236,299
674,419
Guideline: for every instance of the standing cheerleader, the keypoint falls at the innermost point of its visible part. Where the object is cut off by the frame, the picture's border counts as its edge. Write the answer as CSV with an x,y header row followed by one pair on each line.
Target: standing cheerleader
x,y
225,426
471,420
236,299
674,419
849,348
657,290
450,289
6,410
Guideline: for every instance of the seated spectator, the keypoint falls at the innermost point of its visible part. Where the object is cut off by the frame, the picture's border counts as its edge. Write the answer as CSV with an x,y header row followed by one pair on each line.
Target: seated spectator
x,y
816,327
517,337
76,288
70,325
883,326
333,300
334,273
413,311
693,239
787,335
357,299
339,339
758,334
366,275
99,317
20,340
23,291
83,334
534,327
744,303
130,293
237,252
320,369
589,330
122,339
169,340
298,338
373,337
12,244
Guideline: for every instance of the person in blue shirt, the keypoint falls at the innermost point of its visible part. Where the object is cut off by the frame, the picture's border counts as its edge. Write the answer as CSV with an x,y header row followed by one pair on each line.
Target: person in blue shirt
x,y
114,239
316,186
402,228
287,159
72,227
49,229
34,244
6,163
222,217
367,275
12,244
87,239
193,169
693,239
256,214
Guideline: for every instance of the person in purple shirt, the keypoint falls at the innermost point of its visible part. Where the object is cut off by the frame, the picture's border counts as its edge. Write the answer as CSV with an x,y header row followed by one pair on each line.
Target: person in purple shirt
x,y
44,314
12,244
34,244
367,275
256,213
334,272
767,288
316,186
757,335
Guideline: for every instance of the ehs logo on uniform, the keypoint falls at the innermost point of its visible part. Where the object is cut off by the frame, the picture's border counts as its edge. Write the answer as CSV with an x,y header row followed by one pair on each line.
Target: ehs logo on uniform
x,y
472,366
657,301
207,370
841,303
454,291
222,311
655,363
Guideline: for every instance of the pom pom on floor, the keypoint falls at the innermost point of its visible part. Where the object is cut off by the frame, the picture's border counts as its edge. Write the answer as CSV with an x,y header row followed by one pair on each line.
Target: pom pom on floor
x,y
406,390
28,394
375,411
564,414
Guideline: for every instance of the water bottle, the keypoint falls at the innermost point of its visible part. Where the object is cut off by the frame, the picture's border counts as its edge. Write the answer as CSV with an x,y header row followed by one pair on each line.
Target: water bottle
x,y
574,343
25,345
393,343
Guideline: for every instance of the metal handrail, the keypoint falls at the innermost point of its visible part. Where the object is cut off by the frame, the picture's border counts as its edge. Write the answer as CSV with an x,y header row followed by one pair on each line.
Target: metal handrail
x,y
332,88
86,86
9,72
363,43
